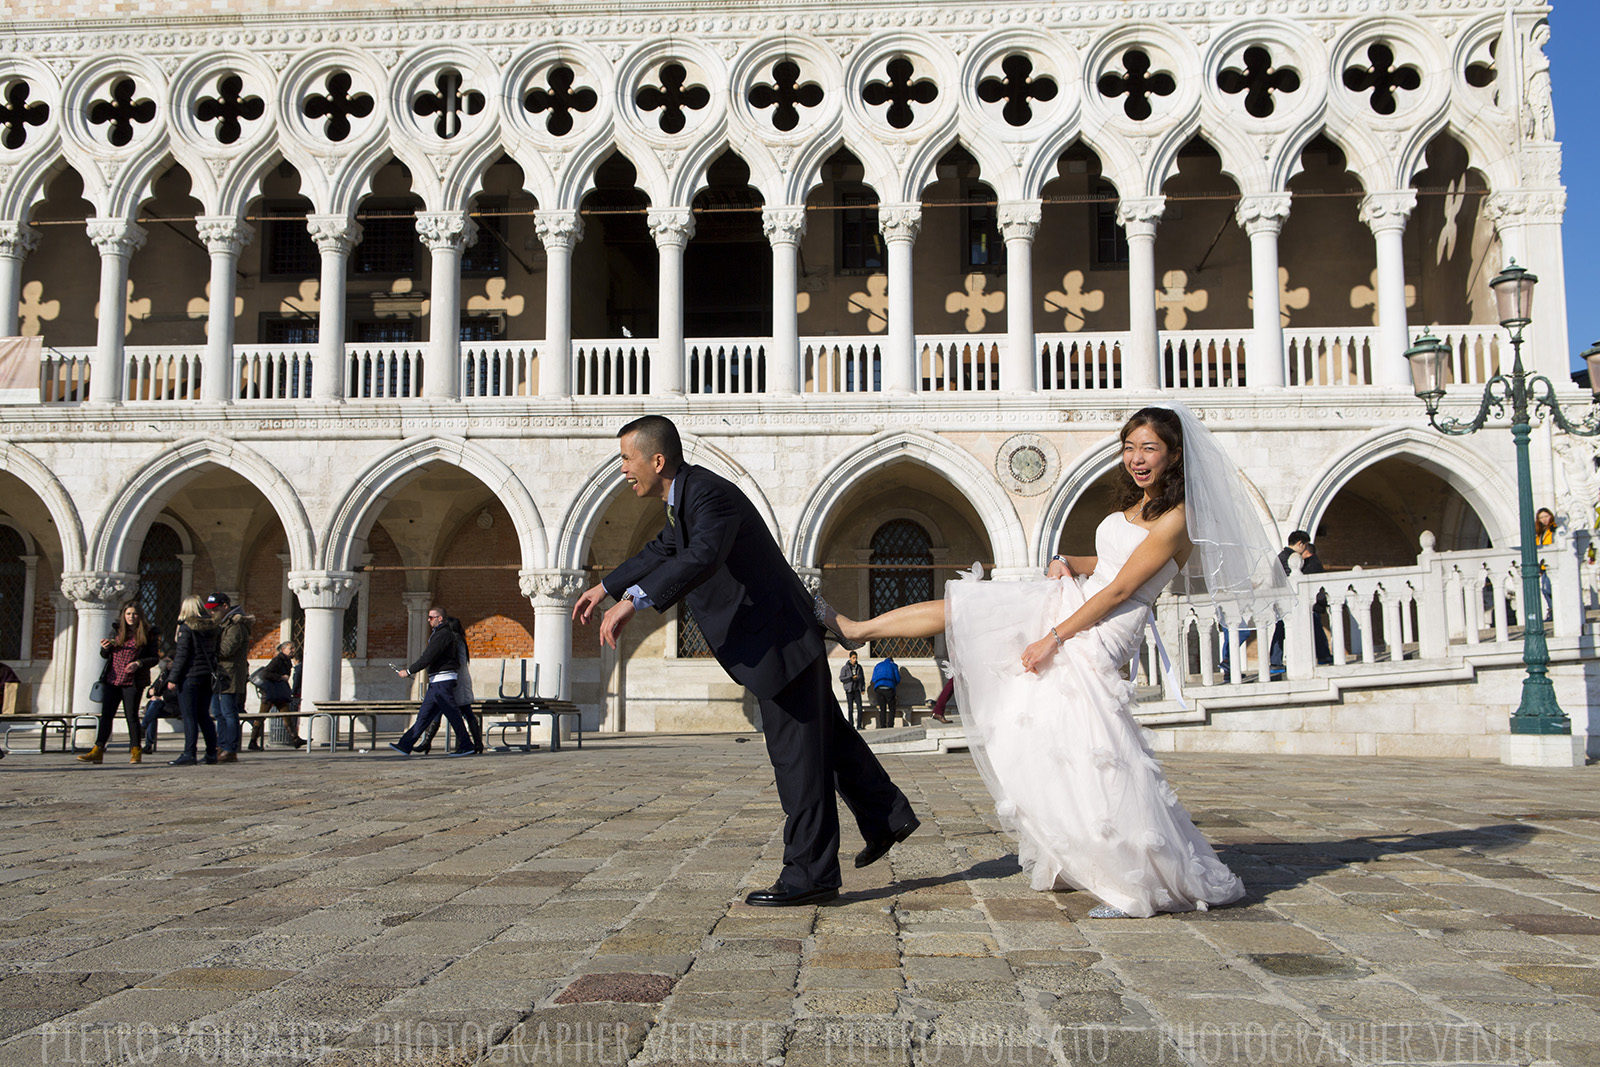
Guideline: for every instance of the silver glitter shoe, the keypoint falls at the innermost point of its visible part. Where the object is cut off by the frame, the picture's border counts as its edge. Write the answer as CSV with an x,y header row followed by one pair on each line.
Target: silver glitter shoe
x,y
830,622
1106,911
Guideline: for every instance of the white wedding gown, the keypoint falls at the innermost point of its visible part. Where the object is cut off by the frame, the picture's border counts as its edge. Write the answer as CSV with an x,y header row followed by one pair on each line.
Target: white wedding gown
x,y
1071,774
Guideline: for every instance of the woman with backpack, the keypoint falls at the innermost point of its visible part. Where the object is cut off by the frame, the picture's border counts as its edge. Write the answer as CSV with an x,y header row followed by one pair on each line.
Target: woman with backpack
x,y
193,665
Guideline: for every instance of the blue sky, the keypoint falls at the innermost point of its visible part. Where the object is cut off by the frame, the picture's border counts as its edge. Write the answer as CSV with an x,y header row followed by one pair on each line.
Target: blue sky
x,y
1574,34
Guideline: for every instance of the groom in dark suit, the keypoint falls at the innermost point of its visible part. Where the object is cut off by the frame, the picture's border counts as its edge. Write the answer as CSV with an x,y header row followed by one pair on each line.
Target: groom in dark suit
x,y
716,555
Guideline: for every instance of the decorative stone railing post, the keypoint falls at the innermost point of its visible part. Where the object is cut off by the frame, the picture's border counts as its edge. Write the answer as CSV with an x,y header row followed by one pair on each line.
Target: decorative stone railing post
x,y
335,237
559,232
96,596
117,240
1019,224
1386,214
784,226
900,224
1141,361
323,596
552,594
445,234
224,237
17,239
1261,216
672,229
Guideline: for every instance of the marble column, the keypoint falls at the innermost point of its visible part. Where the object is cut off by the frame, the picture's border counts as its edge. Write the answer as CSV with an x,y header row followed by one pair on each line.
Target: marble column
x,y
445,234
417,605
784,226
900,224
1385,214
552,594
672,228
559,232
17,239
324,595
1261,217
117,240
335,236
1529,224
1019,224
1141,361
224,237
96,596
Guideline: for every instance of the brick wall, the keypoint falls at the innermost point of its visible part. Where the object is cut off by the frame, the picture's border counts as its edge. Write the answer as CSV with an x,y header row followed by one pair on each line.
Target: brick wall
x,y
386,614
262,594
497,617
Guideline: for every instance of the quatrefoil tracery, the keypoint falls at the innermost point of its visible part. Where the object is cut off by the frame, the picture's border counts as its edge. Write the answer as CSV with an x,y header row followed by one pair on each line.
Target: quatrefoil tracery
x,y
338,105
16,115
561,100
1138,85
1383,77
1016,89
228,107
783,93
673,97
1260,81
122,112
900,92
449,101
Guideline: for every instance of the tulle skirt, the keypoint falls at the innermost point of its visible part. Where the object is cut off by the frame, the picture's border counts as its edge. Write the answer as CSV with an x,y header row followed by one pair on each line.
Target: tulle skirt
x,y
1070,770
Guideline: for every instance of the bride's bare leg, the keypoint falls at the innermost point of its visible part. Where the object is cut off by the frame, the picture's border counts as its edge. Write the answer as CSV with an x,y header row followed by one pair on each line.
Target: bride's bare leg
x,y
914,620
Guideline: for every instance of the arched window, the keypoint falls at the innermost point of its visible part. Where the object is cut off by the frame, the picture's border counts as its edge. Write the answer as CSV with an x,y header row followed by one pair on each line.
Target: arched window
x,y
901,574
13,593
161,579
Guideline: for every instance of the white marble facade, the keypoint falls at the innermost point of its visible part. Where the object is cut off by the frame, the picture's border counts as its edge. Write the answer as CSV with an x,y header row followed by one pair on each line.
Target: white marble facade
x,y
986,431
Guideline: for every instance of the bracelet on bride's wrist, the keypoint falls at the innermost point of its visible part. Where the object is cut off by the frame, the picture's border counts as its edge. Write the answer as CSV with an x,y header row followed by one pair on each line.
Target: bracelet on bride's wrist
x,y
1057,635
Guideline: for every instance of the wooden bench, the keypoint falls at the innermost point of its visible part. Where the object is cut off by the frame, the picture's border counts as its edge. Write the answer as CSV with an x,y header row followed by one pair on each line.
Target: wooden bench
x,y
521,713
247,717
67,725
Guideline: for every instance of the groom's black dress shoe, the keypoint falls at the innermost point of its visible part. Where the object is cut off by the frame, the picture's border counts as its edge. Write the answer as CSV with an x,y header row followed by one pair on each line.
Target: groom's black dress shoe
x,y
876,850
781,896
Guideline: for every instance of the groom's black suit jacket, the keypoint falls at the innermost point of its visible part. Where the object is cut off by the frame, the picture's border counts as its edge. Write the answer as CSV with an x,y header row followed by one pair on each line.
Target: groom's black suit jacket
x,y
719,558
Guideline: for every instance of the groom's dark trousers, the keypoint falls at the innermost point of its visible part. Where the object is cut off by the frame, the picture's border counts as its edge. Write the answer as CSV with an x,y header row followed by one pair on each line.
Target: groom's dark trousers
x,y
718,557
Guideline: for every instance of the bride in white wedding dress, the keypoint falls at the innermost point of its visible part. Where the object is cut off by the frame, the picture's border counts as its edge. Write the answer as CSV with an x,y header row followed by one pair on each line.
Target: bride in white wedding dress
x,y
1049,718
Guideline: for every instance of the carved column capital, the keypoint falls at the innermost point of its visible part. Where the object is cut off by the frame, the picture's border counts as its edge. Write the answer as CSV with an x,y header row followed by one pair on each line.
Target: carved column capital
x,y
811,578
17,239
783,225
558,229
334,233
98,589
1262,212
552,588
1019,219
1139,215
1387,210
417,601
116,237
223,234
324,589
446,229
900,222
1523,205
671,227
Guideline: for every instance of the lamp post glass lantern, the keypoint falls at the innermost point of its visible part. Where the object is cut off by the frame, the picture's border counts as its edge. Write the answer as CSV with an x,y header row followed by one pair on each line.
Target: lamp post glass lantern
x,y
1528,396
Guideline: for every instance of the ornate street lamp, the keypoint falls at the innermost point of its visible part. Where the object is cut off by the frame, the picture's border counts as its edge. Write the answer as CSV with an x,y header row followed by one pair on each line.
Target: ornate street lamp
x,y
1528,395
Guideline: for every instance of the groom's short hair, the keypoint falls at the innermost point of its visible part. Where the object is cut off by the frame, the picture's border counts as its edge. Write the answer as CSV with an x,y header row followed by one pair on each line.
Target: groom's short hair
x,y
656,436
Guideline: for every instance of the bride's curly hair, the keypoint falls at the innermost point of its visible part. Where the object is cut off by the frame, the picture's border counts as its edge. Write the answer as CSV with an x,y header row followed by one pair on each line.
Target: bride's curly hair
x,y
1169,494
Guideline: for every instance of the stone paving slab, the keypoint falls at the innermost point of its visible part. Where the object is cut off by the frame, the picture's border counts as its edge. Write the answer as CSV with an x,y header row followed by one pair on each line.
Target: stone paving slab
x,y
586,907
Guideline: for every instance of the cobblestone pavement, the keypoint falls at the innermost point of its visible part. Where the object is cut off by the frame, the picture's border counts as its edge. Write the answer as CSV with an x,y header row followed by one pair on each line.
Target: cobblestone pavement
x,y
585,907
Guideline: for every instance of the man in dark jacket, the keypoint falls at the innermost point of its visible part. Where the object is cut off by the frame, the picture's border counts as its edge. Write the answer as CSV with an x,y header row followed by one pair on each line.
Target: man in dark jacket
x,y
1310,563
441,660
716,555
233,672
854,682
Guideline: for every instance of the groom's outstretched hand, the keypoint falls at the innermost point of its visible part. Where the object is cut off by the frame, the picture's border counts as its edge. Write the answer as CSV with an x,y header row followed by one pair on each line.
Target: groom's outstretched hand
x,y
586,603
615,619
